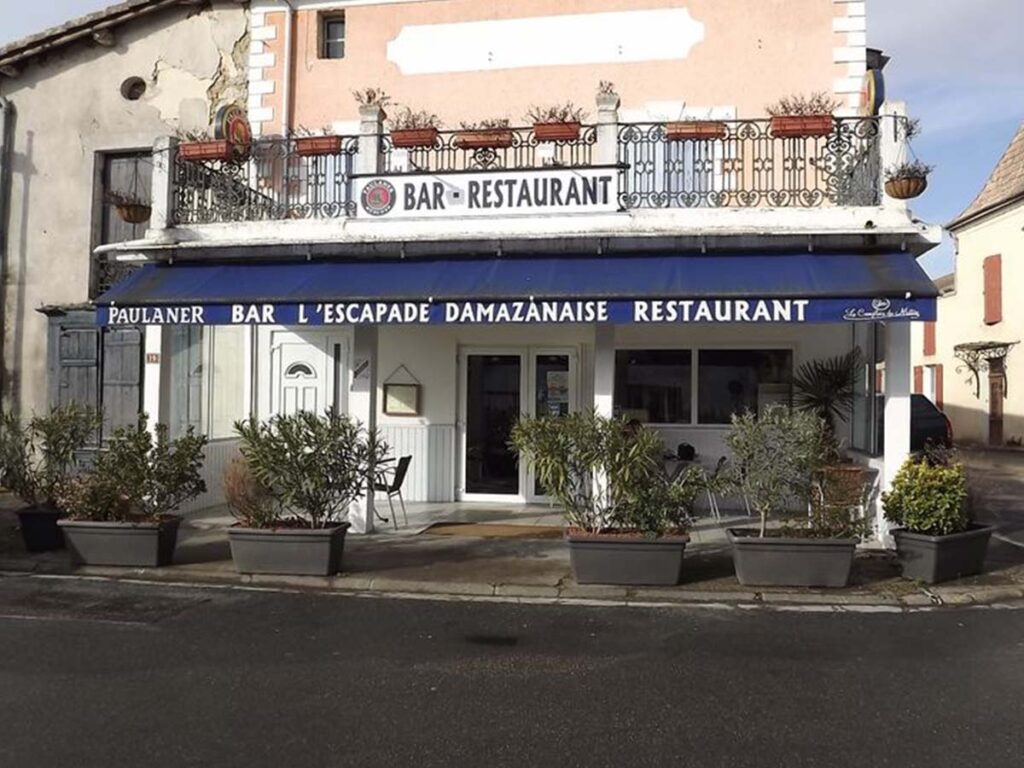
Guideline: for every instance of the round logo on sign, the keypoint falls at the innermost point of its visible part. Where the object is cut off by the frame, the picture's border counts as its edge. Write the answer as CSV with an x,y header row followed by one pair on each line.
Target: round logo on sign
x,y
378,197
231,123
881,305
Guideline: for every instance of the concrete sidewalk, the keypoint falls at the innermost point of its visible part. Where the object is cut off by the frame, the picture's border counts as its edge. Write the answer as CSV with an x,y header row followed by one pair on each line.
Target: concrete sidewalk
x,y
529,569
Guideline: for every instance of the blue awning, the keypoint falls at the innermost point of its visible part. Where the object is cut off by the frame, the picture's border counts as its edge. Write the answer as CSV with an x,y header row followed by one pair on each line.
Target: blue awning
x,y
854,279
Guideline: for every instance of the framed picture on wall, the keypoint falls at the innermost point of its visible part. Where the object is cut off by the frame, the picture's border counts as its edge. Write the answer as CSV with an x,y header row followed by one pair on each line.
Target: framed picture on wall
x,y
402,399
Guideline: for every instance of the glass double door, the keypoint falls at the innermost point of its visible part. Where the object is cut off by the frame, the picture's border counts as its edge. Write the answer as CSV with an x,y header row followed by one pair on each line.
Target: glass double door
x,y
498,386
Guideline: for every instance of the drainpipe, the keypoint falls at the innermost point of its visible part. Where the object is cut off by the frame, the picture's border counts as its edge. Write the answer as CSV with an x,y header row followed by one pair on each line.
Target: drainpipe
x,y
6,145
286,86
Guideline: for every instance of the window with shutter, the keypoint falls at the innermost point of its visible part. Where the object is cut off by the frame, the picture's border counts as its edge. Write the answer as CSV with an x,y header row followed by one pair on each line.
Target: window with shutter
x,y
993,280
929,338
918,379
938,386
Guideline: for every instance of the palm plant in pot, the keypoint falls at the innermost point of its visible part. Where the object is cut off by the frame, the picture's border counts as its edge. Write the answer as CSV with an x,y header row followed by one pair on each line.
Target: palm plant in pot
x,y
122,511
626,520
292,492
935,538
777,462
36,461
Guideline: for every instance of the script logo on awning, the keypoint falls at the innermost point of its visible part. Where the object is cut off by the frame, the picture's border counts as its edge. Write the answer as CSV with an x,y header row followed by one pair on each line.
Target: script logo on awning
x,y
881,309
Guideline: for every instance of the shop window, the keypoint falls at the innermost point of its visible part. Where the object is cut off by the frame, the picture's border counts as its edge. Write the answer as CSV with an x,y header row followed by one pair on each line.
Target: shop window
x,y
653,385
992,268
737,380
332,36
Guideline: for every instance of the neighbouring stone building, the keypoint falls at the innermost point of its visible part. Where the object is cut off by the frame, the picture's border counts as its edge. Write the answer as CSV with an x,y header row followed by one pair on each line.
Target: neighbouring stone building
x,y
968,361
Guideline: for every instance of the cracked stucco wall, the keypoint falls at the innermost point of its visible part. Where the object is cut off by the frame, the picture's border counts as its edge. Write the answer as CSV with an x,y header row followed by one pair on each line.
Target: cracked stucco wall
x,y
70,111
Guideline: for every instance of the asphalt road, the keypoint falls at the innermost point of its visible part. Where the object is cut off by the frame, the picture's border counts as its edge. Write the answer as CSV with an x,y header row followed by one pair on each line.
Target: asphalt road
x,y
101,674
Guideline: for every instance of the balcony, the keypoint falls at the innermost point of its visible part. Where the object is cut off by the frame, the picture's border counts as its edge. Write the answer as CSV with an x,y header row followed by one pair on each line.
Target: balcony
x,y
670,166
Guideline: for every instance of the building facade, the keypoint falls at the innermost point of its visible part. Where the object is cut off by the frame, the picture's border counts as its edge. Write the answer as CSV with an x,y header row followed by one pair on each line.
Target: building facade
x,y
675,258
967,361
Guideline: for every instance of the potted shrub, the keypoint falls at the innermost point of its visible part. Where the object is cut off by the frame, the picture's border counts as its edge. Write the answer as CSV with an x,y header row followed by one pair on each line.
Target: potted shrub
x,y
777,459
132,208
198,147
36,461
413,130
695,130
936,540
308,144
626,521
907,180
800,116
557,122
121,512
300,474
487,134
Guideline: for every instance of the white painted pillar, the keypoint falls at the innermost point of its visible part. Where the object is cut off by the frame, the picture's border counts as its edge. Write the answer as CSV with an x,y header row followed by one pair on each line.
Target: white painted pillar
x,y
152,376
362,405
897,412
893,147
607,149
162,191
371,119
604,384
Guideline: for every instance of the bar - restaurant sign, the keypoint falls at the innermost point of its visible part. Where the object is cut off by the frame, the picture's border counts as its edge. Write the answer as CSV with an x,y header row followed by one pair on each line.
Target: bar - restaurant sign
x,y
512,193
644,311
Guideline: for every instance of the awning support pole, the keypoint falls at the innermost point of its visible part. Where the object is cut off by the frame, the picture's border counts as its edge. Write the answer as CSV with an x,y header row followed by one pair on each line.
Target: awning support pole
x,y
362,405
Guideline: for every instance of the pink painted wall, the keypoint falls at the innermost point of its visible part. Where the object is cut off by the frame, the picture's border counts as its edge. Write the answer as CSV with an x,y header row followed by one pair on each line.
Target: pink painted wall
x,y
753,52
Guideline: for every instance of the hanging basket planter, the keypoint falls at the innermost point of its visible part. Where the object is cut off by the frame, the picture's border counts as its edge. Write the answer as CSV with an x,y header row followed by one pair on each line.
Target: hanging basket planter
x,y
567,131
695,130
311,146
200,151
134,213
801,126
906,188
490,138
414,138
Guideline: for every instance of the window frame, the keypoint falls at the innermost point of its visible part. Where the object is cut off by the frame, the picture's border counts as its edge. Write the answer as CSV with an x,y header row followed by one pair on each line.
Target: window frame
x,y
325,20
788,345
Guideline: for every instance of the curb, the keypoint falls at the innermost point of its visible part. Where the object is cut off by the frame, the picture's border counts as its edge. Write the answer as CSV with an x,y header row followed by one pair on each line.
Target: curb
x,y
925,598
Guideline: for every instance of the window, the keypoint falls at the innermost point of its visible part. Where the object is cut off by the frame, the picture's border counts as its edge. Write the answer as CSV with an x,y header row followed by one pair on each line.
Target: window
x,y
653,385
992,268
735,380
124,176
332,36
929,338
209,379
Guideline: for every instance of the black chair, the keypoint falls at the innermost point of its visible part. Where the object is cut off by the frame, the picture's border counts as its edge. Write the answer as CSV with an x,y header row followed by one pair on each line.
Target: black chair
x,y
393,487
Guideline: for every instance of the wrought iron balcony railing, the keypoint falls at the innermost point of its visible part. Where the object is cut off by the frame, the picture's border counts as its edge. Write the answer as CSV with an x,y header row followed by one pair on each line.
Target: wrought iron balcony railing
x,y
747,164
706,164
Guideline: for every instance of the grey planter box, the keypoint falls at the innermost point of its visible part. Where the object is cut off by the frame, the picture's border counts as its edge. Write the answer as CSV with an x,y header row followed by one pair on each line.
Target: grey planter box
x,y
940,558
288,551
140,545
790,562
598,559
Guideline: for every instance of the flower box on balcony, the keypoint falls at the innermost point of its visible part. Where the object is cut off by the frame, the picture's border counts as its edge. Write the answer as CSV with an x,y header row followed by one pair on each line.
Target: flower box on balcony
x,y
568,131
199,151
801,126
311,146
414,138
695,130
485,138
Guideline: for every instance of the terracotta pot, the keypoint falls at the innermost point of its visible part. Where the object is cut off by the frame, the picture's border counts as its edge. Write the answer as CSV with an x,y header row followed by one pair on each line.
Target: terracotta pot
x,y
695,130
557,131
799,126
198,151
134,213
904,189
310,146
412,138
493,138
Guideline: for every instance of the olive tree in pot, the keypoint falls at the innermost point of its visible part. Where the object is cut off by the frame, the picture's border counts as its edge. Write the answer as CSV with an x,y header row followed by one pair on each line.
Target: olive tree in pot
x,y
292,492
936,540
121,512
37,459
626,520
778,459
